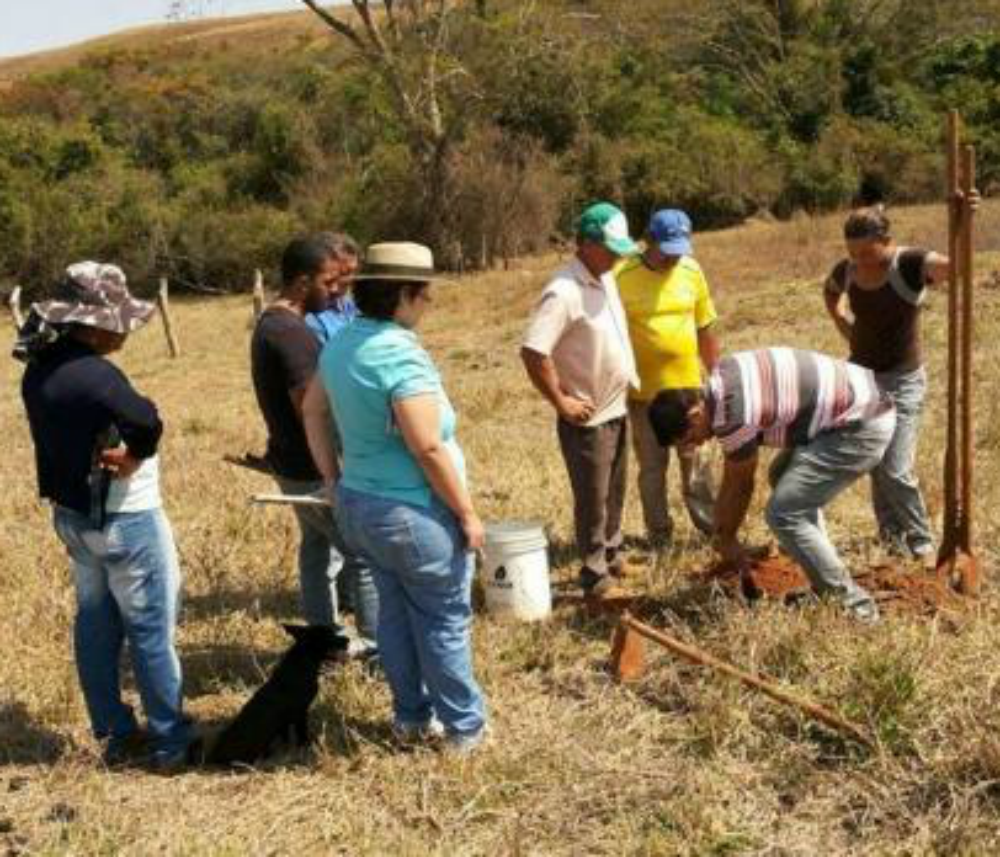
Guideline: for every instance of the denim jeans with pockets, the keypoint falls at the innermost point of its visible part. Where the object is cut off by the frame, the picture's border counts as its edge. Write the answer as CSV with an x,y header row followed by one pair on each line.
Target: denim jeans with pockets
x,y
899,504
127,589
423,573
325,561
808,477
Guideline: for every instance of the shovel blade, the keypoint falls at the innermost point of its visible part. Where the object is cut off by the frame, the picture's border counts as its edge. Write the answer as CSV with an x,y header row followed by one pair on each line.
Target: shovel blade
x,y
961,572
627,661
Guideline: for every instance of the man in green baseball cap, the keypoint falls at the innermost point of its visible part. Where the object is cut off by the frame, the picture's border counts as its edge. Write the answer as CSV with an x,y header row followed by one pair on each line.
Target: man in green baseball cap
x,y
578,355
605,225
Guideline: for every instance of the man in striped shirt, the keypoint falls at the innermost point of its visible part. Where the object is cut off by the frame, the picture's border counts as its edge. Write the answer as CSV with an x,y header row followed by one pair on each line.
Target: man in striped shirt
x,y
832,423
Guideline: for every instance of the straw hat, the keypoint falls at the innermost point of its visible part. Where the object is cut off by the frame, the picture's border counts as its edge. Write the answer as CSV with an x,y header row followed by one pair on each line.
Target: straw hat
x,y
96,295
398,260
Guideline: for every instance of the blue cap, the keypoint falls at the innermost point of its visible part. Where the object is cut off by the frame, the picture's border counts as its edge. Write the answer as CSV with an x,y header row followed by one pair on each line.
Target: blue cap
x,y
670,231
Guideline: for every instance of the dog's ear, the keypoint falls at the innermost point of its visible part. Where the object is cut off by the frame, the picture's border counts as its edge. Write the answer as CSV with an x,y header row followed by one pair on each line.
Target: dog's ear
x,y
296,632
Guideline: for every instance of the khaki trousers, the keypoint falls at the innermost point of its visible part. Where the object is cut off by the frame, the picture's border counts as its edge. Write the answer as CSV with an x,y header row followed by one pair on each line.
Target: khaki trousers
x,y
654,460
597,460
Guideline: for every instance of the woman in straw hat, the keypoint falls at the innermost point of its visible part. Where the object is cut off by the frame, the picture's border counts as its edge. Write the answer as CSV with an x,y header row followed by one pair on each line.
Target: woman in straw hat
x,y
401,497
95,447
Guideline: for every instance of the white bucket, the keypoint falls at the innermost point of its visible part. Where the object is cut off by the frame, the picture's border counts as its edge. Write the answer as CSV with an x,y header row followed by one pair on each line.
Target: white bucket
x,y
516,571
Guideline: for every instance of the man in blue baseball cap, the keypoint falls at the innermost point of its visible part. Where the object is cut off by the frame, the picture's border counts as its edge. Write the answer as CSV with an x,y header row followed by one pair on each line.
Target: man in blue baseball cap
x,y
578,355
671,324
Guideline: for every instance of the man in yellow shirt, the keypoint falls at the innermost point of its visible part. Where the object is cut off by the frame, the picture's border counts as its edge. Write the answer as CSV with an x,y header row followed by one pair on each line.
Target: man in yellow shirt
x,y
670,316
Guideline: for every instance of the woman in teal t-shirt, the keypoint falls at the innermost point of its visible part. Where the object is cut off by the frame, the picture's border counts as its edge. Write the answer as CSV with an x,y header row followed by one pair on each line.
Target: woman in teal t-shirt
x,y
400,498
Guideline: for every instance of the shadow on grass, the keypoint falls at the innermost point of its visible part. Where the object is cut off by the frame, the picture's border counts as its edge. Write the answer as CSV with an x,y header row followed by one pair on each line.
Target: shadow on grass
x,y
261,603
698,606
24,742
331,734
216,669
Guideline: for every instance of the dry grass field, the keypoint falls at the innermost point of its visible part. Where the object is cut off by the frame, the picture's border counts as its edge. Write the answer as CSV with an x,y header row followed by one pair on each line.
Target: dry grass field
x,y
682,762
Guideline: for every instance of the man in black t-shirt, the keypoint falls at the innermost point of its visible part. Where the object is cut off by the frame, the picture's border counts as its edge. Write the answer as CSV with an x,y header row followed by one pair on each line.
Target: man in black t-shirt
x,y
283,356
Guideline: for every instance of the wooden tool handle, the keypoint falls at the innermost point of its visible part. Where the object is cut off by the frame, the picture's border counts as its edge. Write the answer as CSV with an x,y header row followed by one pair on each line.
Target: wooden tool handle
x,y
290,500
702,658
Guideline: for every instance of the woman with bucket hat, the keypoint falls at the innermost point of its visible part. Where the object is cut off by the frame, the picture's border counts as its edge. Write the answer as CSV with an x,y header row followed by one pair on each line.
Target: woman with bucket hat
x,y
95,443
401,497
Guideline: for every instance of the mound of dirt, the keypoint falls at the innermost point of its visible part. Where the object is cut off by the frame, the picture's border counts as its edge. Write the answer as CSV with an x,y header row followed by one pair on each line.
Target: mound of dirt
x,y
895,587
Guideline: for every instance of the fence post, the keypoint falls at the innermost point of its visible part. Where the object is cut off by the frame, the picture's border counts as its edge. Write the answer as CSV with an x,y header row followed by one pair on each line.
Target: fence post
x,y
15,307
258,294
163,301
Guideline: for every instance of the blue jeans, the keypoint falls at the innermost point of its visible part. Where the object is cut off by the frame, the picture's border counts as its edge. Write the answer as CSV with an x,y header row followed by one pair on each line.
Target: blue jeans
x,y
808,477
324,559
899,505
423,572
127,588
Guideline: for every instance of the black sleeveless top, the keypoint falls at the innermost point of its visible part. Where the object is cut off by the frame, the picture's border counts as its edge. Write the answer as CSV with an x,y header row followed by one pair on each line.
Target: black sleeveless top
x,y
886,336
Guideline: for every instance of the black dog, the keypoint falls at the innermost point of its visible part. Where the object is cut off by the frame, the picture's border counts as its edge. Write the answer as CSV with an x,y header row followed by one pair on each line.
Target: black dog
x,y
280,707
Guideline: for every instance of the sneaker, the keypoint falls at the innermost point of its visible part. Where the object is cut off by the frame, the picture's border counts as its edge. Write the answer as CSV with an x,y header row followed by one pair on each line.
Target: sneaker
x,y
595,585
361,649
418,733
865,612
176,761
462,744
622,569
130,749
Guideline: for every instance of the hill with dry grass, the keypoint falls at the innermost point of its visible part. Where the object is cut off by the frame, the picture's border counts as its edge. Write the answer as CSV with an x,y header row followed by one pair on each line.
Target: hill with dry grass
x,y
258,32
680,763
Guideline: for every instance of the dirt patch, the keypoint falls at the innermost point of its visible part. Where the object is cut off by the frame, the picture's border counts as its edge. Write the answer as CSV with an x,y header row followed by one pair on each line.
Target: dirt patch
x,y
895,587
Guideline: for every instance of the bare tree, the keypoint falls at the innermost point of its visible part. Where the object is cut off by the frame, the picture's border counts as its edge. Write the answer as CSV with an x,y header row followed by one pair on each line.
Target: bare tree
x,y
408,44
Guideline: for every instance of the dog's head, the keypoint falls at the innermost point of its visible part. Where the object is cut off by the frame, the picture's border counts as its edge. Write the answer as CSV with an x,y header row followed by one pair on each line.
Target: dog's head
x,y
319,640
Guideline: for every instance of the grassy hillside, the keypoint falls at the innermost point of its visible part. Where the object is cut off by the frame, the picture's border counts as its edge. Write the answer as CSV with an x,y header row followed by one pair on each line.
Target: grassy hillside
x,y
681,763
254,31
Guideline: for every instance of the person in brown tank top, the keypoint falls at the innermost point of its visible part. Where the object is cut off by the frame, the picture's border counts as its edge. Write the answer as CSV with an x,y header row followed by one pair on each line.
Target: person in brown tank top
x,y
875,299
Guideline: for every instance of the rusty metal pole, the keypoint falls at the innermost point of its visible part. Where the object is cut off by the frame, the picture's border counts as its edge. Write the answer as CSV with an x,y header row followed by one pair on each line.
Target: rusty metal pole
x,y
968,324
949,539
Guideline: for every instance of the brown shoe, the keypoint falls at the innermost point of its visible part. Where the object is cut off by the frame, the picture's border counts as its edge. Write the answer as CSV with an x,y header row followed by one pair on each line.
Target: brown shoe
x,y
623,569
599,586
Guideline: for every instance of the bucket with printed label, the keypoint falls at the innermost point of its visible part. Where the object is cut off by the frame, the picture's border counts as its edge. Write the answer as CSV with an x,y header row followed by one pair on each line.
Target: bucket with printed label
x,y
515,572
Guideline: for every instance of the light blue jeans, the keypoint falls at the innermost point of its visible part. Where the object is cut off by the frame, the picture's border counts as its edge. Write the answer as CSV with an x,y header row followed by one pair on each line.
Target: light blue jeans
x,y
324,558
127,589
423,572
804,480
899,504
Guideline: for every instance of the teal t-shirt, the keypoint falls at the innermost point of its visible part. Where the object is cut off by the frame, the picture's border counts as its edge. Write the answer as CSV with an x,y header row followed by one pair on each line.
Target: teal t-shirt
x,y
365,368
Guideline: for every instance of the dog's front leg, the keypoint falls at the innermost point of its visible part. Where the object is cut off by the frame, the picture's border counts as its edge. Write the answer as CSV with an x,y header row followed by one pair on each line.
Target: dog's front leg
x,y
301,727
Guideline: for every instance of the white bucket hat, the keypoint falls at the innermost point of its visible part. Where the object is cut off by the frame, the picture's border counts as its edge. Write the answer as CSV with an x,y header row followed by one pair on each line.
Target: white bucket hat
x,y
398,260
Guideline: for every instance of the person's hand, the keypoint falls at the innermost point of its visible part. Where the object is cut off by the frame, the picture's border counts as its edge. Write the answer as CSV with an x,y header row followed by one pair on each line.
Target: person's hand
x,y
328,491
120,462
473,530
845,327
731,551
574,410
975,198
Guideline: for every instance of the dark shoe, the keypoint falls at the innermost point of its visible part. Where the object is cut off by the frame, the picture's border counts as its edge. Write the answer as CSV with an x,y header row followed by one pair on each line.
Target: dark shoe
x,y
599,587
131,749
624,568
169,763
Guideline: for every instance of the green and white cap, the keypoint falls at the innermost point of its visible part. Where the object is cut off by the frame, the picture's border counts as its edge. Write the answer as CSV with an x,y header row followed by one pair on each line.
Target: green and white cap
x,y
606,225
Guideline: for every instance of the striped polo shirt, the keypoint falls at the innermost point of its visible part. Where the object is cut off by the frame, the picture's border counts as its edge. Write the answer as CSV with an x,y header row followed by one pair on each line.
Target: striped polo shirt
x,y
785,397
